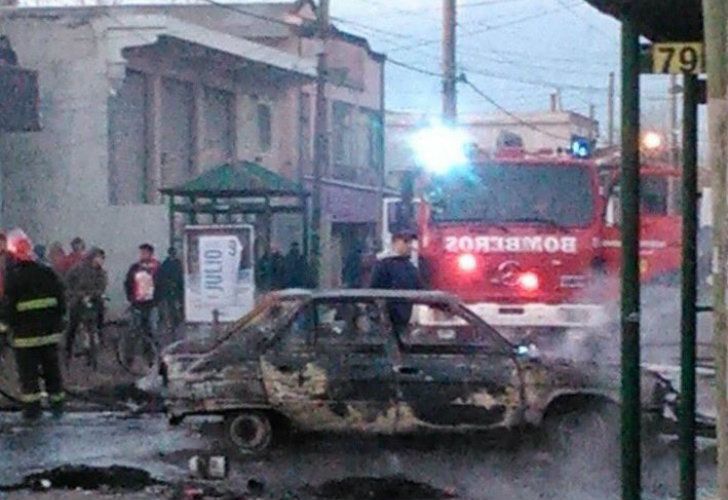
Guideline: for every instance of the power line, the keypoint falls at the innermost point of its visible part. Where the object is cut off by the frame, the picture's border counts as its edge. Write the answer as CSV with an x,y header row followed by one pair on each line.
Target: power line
x,y
537,82
414,68
509,113
486,2
579,16
485,29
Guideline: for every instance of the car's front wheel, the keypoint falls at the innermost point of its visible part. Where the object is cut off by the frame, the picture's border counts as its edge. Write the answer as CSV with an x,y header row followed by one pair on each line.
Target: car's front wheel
x,y
249,431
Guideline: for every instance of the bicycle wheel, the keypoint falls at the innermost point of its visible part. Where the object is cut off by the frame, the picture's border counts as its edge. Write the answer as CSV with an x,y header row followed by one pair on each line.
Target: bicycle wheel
x,y
137,354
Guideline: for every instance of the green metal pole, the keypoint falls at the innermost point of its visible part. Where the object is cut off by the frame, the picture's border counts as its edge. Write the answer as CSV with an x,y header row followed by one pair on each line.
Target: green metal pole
x,y
630,314
689,288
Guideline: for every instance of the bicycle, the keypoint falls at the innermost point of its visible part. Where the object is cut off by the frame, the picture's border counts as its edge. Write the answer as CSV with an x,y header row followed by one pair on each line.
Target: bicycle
x,y
137,349
88,330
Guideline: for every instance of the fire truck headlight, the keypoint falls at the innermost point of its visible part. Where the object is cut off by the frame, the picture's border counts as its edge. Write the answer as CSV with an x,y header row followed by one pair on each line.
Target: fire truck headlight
x,y
440,148
529,281
467,262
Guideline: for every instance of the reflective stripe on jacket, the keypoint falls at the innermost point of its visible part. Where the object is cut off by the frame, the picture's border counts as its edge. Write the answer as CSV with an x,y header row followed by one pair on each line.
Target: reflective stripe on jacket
x,y
36,304
40,341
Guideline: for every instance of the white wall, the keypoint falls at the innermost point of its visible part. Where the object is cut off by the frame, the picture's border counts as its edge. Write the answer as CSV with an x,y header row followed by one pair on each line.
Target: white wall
x,y
55,182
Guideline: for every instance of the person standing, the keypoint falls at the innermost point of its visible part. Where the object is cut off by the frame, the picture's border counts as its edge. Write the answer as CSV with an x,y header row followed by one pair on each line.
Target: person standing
x,y
36,306
57,257
396,272
141,288
40,255
352,271
171,289
78,252
7,54
86,281
296,270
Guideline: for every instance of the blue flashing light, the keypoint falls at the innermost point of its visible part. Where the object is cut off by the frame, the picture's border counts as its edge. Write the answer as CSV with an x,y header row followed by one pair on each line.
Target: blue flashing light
x,y
581,147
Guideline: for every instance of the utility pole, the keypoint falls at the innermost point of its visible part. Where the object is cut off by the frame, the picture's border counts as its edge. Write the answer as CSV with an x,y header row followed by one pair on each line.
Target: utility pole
x,y
715,16
674,141
449,70
592,118
610,111
321,139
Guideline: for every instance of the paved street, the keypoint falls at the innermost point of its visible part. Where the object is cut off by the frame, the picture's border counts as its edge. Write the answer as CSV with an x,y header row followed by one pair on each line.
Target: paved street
x,y
469,467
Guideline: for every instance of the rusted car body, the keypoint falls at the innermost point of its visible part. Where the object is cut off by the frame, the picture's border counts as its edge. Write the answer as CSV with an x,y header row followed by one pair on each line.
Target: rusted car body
x,y
331,361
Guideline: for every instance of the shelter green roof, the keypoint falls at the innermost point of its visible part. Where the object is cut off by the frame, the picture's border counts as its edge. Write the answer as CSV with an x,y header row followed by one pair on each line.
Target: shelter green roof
x,y
238,179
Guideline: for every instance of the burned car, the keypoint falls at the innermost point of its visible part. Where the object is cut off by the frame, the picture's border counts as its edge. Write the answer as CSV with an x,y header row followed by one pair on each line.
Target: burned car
x,y
332,361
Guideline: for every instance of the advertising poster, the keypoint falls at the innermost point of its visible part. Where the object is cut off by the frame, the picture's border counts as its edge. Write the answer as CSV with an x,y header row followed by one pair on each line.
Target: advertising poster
x,y
219,274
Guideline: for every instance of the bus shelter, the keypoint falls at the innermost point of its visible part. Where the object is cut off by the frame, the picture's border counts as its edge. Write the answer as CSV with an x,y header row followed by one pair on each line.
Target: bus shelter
x,y
658,37
237,193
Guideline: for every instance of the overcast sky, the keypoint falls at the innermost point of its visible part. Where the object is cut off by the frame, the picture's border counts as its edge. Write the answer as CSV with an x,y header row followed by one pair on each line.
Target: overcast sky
x,y
517,52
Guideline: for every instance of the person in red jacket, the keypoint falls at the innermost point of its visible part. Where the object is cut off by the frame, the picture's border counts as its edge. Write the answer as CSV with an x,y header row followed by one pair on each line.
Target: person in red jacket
x,y
78,252
141,287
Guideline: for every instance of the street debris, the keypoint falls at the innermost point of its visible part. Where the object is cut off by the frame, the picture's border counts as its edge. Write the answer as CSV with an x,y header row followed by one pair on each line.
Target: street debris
x,y
71,477
215,467
392,487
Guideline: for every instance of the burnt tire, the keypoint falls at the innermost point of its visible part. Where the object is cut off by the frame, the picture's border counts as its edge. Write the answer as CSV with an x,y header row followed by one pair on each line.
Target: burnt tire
x,y
249,431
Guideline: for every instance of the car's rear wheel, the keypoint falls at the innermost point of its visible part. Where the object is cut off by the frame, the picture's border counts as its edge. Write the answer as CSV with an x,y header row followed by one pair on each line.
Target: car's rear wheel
x,y
249,431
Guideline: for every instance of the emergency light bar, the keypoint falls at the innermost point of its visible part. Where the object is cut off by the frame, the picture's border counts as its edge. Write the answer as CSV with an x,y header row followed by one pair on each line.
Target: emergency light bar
x,y
581,147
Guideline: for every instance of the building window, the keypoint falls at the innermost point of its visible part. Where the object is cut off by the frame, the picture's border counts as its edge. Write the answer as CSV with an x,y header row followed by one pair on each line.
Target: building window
x,y
177,132
219,128
343,134
127,141
375,140
265,131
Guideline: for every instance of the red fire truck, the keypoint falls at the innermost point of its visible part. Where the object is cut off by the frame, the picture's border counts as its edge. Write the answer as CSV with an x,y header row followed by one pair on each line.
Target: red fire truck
x,y
533,242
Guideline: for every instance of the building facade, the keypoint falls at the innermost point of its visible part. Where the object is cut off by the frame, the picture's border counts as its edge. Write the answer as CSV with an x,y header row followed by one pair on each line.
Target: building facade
x,y
138,98
132,103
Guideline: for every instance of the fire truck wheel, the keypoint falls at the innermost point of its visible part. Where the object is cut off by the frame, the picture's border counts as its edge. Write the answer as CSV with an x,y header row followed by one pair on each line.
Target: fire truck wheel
x,y
249,431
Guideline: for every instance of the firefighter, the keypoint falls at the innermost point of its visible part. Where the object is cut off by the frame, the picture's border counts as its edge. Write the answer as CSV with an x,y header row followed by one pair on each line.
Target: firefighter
x,y
35,310
396,272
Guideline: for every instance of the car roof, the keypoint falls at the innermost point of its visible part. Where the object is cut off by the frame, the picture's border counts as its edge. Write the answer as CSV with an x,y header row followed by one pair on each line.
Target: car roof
x,y
367,293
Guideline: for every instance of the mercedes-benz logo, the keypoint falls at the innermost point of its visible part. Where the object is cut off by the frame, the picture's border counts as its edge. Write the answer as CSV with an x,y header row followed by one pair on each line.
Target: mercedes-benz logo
x,y
508,272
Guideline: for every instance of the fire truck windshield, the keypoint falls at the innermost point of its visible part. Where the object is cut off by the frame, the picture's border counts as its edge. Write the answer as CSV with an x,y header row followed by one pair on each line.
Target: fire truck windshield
x,y
560,195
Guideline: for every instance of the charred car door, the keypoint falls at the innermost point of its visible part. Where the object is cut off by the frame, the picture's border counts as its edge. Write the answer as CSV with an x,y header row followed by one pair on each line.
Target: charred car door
x,y
352,350
294,382
451,371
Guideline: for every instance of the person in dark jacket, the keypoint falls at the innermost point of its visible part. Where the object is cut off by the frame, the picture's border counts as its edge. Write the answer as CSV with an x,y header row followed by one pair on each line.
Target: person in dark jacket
x,y
396,272
35,309
352,271
86,281
7,54
296,268
141,287
171,282
271,270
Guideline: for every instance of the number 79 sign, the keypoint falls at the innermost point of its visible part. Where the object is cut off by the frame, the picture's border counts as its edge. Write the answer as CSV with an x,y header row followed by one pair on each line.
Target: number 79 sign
x,y
678,58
